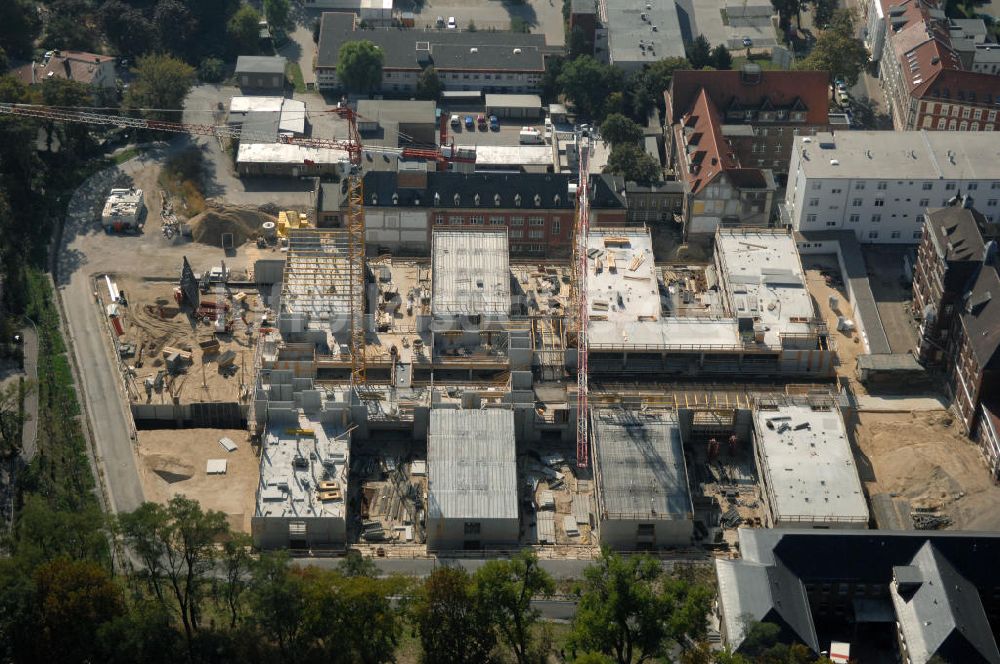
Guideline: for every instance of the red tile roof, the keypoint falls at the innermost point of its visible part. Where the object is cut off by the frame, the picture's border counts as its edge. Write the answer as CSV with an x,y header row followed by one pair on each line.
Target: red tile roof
x,y
73,65
699,134
781,88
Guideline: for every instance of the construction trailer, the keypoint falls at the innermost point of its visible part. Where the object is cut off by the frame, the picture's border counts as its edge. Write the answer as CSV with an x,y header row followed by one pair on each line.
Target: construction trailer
x,y
123,210
643,499
471,480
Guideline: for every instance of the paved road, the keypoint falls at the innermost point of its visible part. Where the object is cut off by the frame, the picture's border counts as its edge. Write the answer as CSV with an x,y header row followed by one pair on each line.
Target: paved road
x,y
29,433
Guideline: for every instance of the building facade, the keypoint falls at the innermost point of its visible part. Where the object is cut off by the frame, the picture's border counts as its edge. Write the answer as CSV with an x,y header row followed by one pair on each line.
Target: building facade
x,y
259,72
879,184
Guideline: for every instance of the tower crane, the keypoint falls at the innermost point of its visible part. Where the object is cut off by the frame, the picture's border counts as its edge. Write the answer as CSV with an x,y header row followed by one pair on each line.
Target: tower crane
x,y
354,177
582,313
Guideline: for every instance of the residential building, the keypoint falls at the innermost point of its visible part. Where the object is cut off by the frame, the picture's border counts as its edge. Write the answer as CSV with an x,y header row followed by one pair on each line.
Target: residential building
x,y
936,73
649,204
481,60
639,35
917,596
403,208
97,71
471,480
761,111
643,500
261,73
719,190
807,470
879,184
954,280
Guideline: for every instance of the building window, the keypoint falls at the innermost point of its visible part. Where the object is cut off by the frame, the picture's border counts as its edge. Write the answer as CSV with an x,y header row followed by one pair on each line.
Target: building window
x,y
645,530
917,235
456,221
950,186
536,234
972,186
876,218
860,186
536,221
472,528
895,235
872,235
924,202
516,235
831,223
856,202
927,186
496,221
991,203
836,191
438,220
995,185
556,225
517,221
816,186
920,219
855,218
879,202
882,186
813,202
810,218
477,220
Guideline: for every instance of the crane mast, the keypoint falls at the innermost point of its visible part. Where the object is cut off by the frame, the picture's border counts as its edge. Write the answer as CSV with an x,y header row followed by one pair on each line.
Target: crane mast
x,y
582,230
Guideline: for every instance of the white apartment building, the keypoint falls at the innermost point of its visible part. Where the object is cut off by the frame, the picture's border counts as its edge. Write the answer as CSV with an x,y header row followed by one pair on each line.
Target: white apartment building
x,y
879,184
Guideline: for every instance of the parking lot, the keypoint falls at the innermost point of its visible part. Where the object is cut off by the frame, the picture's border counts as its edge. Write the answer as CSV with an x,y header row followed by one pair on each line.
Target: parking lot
x,y
727,22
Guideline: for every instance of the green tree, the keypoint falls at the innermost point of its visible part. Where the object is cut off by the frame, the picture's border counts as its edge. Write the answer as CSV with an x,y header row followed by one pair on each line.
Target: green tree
x,y
588,83
577,43
44,534
837,50
212,70
277,12
429,86
518,24
18,619
70,26
177,545
721,58
237,566
359,66
277,600
74,598
454,625
74,138
243,30
786,10
823,12
161,81
617,129
507,587
19,27
631,162
175,27
12,415
699,52
128,30
355,564
629,610
369,624
145,633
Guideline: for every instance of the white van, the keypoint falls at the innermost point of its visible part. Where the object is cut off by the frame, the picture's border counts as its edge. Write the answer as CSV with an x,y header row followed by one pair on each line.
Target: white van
x,y
530,136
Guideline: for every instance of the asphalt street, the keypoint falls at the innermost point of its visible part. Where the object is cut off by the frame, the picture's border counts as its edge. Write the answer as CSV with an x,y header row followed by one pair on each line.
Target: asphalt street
x,y
29,433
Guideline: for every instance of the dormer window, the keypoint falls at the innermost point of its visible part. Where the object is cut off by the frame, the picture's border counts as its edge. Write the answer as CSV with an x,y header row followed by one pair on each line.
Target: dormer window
x,y
496,200
458,200
538,200
395,198
437,198
517,200
475,200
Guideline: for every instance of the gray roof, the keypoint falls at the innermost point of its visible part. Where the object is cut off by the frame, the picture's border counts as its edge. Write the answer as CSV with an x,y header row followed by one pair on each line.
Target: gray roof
x,y
471,464
260,64
899,155
639,465
955,232
402,110
631,38
448,49
890,362
944,615
263,126
513,101
981,318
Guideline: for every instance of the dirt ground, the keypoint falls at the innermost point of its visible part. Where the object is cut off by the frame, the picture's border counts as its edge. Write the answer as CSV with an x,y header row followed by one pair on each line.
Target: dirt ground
x,y
925,458
818,270
153,321
172,462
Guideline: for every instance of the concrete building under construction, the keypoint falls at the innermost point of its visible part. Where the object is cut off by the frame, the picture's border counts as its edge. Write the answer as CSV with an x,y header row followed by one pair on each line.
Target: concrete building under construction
x,y
751,314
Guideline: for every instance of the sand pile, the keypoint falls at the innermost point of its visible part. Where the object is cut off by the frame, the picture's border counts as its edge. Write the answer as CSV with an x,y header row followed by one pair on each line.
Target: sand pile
x,y
209,226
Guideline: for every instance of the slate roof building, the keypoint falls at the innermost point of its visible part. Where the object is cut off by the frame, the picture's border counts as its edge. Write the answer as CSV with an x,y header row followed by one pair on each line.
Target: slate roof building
x,y
938,592
488,61
261,73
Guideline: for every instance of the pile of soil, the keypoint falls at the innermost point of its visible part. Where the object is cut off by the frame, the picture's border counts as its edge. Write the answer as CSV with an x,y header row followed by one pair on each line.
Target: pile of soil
x,y
209,226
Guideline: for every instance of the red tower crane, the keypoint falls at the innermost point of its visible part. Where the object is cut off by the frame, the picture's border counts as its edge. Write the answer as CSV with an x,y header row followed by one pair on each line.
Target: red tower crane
x,y
582,230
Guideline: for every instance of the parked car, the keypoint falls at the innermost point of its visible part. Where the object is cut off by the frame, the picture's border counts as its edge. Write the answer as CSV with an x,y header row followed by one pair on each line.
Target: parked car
x,y
747,42
456,121
494,123
451,23
843,98
469,122
440,21
481,122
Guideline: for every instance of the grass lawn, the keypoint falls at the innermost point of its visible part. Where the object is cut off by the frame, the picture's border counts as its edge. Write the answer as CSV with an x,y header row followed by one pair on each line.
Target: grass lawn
x,y
125,155
763,61
294,73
